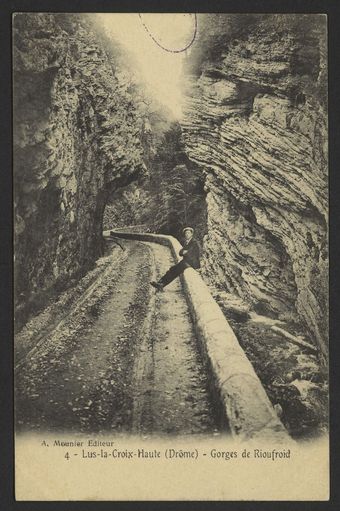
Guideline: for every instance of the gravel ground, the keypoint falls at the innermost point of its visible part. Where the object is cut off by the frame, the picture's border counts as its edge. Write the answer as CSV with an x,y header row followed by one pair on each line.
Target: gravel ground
x,y
178,399
113,355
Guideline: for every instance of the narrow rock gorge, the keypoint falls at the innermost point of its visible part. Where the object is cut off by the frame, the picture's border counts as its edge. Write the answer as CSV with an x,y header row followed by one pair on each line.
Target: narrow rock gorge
x,y
254,134
256,125
97,147
77,137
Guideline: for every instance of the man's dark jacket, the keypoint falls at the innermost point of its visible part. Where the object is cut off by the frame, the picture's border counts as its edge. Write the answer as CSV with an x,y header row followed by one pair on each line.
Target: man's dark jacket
x,y
192,257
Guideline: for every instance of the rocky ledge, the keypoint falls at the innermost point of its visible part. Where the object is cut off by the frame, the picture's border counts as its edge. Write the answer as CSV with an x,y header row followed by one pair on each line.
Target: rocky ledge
x,y
255,122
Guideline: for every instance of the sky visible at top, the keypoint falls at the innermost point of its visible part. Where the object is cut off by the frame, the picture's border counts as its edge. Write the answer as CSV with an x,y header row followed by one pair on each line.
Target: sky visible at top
x,y
160,70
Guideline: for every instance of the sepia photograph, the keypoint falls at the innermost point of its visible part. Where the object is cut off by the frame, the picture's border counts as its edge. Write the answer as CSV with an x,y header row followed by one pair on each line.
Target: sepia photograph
x,y
170,205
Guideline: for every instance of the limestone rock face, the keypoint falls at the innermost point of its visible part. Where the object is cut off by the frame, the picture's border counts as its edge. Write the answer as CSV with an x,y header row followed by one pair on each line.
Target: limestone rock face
x,y
76,138
256,123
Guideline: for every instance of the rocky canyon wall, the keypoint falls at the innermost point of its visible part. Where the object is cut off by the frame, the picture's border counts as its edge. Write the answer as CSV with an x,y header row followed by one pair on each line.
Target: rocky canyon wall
x,y
256,124
76,139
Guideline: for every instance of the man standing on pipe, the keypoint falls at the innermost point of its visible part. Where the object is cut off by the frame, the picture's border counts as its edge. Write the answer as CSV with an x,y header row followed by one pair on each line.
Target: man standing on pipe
x,y
191,258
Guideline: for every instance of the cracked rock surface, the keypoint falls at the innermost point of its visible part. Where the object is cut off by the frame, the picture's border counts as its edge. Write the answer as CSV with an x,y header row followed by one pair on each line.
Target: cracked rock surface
x,y
76,139
256,123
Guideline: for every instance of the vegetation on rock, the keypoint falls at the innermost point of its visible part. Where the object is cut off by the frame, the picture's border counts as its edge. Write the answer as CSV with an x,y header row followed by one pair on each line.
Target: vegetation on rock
x,y
170,198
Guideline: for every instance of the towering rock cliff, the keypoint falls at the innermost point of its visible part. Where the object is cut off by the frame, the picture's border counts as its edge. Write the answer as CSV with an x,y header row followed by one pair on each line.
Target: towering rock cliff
x,y
255,122
76,139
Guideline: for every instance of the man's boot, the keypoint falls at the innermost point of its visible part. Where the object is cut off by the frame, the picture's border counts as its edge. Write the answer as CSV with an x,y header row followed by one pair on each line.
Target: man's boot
x,y
157,285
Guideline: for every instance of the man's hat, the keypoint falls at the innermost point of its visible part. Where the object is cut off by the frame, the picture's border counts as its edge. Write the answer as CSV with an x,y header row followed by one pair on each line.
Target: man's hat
x,y
188,229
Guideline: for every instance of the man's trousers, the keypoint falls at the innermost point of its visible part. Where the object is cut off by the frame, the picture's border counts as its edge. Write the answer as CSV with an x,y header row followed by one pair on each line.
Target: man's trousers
x,y
173,272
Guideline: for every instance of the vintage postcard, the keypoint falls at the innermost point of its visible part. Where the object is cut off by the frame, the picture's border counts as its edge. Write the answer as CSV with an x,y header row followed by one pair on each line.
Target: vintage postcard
x,y
171,256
